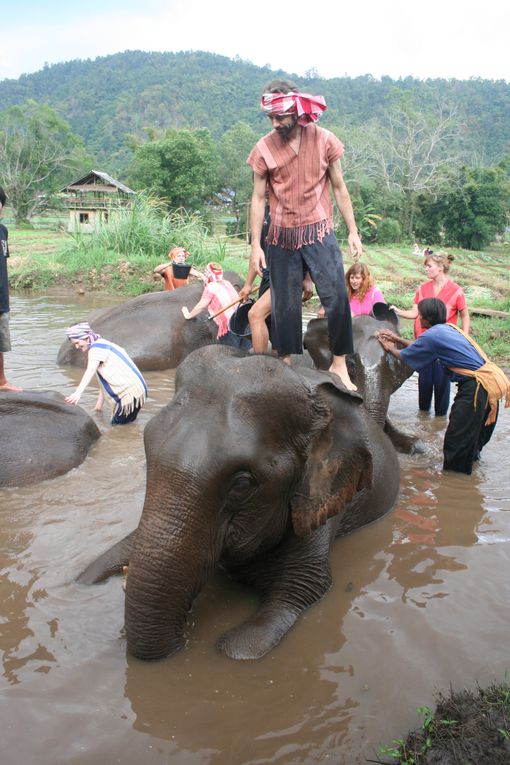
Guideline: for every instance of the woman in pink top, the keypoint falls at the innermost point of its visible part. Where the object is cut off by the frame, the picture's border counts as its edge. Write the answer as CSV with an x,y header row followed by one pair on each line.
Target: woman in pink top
x,y
433,379
361,290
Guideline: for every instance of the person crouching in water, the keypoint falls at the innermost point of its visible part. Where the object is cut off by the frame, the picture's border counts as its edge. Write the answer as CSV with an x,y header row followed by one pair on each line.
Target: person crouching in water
x,y
118,375
481,383
219,297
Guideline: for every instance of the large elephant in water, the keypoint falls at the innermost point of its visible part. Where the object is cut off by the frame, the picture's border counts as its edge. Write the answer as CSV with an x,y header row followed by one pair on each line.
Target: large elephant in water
x,y
376,373
254,467
152,328
41,436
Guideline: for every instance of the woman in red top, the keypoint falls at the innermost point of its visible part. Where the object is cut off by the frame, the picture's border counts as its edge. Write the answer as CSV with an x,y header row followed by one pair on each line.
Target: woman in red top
x,y
432,379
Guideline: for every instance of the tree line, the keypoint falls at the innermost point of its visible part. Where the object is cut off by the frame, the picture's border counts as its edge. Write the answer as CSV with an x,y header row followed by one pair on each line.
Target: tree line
x,y
106,99
412,168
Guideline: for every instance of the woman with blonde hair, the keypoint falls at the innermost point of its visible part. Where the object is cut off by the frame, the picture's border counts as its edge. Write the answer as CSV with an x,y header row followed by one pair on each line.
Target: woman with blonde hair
x,y
432,379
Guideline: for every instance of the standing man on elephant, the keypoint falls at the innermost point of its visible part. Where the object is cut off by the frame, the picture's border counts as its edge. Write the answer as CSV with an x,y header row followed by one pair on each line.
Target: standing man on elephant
x,y
299,162
5,340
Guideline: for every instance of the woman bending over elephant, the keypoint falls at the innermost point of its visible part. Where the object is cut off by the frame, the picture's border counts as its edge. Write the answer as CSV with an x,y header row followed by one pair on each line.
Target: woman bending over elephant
x,y
118,375
220,298
361,291
432,379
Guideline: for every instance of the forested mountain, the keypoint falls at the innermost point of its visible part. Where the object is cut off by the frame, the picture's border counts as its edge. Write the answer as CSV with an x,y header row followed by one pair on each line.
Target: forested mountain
x,y
111,98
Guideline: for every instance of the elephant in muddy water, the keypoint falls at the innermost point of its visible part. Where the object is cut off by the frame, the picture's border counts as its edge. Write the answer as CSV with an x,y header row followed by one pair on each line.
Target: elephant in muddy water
x,y
253,467
41,436
152,328
376,373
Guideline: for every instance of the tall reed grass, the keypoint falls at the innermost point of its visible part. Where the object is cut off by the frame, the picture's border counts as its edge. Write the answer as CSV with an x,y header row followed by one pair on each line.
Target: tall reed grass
x,y
144,232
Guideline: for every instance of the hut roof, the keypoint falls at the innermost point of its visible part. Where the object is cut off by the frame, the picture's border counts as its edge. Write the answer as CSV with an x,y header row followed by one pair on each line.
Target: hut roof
x,y
91,180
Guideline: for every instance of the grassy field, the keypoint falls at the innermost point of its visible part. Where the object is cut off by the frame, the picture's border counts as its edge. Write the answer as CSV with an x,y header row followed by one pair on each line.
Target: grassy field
x,y
40,259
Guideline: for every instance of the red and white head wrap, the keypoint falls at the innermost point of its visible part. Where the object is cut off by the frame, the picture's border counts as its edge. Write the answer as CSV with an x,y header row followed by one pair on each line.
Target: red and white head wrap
x,y
308,108
213,272
81,331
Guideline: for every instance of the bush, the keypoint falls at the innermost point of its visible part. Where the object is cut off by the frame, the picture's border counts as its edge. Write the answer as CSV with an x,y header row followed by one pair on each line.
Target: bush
x,y
389,230
143,230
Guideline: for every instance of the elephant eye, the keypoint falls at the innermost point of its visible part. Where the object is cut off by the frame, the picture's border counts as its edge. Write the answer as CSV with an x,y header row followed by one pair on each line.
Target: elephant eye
x,y
242,482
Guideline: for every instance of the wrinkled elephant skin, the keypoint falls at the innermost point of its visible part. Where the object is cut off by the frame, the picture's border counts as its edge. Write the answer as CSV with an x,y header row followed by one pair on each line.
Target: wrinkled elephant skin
x,y
151,328
377,374
41,436
253,467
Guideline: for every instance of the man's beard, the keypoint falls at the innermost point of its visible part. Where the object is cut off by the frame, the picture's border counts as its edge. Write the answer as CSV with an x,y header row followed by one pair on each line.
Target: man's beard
x,y
284,131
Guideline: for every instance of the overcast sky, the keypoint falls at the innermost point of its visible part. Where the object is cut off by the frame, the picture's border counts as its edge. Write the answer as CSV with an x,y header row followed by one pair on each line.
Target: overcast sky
x,y
432,38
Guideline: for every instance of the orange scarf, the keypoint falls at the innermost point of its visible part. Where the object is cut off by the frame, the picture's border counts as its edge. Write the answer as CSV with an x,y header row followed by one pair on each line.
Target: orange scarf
x,y
489,376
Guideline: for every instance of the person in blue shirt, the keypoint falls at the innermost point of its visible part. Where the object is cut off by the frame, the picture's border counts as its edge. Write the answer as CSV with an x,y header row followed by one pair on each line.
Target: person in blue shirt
x,y
481,383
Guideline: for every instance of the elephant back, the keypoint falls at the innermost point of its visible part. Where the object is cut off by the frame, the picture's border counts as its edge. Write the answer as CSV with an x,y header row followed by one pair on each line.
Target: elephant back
x,y
41,436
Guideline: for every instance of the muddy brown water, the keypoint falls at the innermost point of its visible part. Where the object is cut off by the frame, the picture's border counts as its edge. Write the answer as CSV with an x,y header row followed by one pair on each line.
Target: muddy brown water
x,y
419,602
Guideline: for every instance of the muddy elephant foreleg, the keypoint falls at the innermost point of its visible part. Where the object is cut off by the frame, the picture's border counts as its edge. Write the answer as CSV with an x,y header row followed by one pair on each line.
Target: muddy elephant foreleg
x,y
109,563
290,579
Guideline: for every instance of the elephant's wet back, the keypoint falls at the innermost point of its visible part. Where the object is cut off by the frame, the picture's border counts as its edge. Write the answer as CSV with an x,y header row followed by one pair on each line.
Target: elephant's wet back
x,y
419,601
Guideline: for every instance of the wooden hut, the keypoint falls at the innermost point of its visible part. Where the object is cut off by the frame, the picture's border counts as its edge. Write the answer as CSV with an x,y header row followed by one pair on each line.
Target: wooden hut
x,y
92,198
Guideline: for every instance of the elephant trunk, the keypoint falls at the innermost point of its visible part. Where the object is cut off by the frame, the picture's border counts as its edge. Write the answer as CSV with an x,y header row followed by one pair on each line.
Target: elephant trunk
x,y
376,397
174,555
377,409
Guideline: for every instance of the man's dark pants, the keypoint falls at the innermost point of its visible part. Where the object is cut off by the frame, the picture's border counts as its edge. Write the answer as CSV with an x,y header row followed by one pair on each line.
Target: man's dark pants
x,y
323,260
467,432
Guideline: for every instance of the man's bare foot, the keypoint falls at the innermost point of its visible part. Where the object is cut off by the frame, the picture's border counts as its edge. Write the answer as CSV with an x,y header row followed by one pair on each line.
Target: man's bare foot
x,y
339,368
10,387
286,360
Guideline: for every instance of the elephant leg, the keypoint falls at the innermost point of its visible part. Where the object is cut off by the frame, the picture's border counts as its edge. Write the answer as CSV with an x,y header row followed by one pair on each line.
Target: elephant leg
x,y
109,563
290,579
403,443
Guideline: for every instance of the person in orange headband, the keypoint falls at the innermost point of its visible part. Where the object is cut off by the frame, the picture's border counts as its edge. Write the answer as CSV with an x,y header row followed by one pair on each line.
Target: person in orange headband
x,y
176,255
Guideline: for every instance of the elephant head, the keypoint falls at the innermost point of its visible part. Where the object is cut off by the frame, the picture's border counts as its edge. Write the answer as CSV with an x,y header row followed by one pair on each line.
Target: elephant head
x,y
252,467
376,373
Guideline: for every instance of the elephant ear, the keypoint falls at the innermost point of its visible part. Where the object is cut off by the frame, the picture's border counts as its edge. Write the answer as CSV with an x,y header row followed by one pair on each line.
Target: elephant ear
x,y
338,464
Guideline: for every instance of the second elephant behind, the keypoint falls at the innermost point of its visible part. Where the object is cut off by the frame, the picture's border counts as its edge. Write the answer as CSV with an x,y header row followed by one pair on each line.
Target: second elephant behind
x,y
152,328
377,374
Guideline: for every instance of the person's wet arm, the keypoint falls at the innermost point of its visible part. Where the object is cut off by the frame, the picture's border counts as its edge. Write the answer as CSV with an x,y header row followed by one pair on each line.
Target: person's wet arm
x,y
196,273
247,287
465,320
344,204
89,373
412,313
258,204
387,334
200,306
